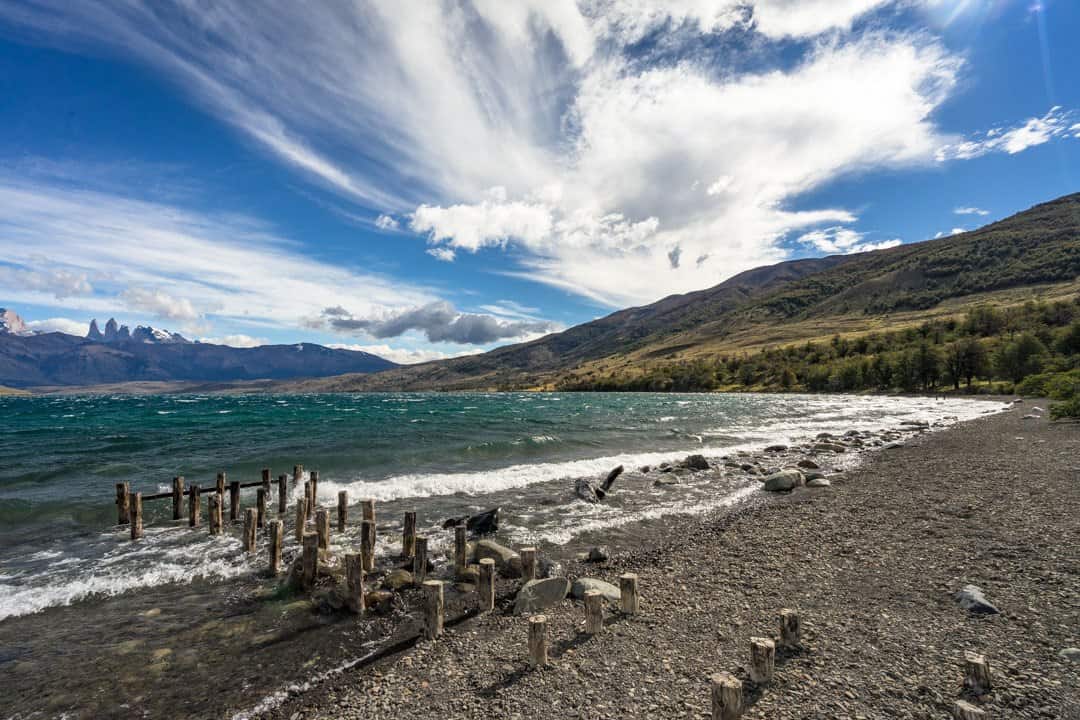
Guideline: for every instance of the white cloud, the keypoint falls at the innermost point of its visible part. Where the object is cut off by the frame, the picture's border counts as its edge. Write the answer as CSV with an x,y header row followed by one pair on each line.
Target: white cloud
x,y
39,274
405,356
61,325
386,222
442,253
238,341
1032,133
971,211
156,302
842,240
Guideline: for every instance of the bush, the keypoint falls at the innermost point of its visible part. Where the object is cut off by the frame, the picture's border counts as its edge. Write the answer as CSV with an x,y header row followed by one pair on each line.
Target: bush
x,y
1066,409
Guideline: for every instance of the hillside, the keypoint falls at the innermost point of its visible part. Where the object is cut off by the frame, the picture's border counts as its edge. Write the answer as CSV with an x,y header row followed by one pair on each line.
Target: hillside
x,y
1034,254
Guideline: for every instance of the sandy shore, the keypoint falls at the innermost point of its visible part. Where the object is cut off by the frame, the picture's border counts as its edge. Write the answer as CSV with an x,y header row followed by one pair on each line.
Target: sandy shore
x,y
870,563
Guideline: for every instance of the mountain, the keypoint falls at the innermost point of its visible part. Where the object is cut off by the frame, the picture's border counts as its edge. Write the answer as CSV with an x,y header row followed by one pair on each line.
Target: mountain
x,y
148,354
1035,253
12,324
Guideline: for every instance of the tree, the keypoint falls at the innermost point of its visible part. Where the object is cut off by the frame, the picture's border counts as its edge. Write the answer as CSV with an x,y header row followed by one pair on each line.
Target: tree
x,y
927,365
1018,358
974,359
1069,342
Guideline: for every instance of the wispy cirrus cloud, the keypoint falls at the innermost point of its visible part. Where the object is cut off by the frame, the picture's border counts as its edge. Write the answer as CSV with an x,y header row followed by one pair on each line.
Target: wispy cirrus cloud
x,y
1056,123
967,210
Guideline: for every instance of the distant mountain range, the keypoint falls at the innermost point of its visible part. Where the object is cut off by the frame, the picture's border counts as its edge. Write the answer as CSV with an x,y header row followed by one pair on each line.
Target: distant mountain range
x,y
120,355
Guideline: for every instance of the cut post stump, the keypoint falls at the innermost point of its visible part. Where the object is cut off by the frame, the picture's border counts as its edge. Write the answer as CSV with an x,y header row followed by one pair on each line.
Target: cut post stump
x,y
594,612
538,646
762,660
408,536
486,588
628,594
354,582
433,609
726,697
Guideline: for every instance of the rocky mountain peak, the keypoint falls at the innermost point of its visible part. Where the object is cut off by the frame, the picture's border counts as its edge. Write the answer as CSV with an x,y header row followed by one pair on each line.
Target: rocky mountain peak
x,y
12,324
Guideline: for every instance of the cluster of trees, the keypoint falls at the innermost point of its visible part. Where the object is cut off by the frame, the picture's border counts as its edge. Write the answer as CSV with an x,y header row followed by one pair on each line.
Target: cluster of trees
x,y
990,349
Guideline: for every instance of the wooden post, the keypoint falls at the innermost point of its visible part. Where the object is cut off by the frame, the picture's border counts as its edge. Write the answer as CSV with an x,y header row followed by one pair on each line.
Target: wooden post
x,y
628,599
964,710
461,548
277,532
367,512
310,559
408,536
249,530
260,507
266,481
976,673
297,474
594,612
194,511
215,513
234,500
301,519
538,656
762,660
726,697
433,609
282,493
354,582
528,564
136,516
367,544
322,528
308,502
220,487
487,585
342,510
123,504
177,498
314,476
789,629
419,563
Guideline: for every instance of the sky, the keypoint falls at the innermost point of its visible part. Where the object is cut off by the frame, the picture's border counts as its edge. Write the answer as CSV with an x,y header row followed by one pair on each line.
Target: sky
x,y
430,179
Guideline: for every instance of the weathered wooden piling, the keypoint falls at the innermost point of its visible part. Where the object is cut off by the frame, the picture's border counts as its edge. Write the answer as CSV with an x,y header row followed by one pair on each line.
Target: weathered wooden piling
x,y
194,511
310,562
762,660
976,673
367,544
297,474
628,594
177,497
301,518
282,493
433,609
136,516
963,710
309,501
219,488
342,510
486,588
354,582
528,564
789,629
266,481
234,500
250,518
461,548
322,528
538,646
260,507
277,532
313,475
215,513
408,536
419,565
367,510
594,612
123,504
726,697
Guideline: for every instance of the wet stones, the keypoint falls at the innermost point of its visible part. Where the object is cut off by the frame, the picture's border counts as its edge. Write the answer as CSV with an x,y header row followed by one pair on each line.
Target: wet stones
x,y
783,481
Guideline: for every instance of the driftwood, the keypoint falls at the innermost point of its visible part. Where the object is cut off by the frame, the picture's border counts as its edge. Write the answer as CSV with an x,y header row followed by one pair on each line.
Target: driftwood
x,y
589,491
484,523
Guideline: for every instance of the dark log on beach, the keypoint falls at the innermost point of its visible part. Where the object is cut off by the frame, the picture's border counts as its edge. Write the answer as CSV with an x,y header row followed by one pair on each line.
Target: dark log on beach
x,y
234,500
309,501
194,511
297,474
136,516
123,504
485,523
408,536
589,491
342,510
177,497
282,493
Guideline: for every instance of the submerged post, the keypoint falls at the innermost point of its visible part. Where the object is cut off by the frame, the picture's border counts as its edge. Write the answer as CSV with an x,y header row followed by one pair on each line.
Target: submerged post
x,y
789,629
322,529
194,511
419,564
487,585
461,548
433,609
123,504
282,493
260,507
136,516
726,697
215,513
354,582
301,518
762,660
277,530
538,656
528,564
342,510
249,530
310,562
594,612
178,497
367,544
234,500
628,594
408,536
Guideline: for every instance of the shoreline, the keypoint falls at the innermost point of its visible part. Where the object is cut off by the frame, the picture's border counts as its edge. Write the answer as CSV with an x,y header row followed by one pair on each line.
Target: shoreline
x,y
870,563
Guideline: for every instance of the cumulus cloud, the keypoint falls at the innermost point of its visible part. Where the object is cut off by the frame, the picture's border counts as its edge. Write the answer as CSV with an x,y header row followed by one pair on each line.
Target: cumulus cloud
x,y
40,275
842,240
61,325
156,302
439,322
970,211
386,222
405,356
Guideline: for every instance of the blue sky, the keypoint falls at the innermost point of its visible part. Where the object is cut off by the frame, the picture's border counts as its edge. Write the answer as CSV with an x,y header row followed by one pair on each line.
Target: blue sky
x,y
432,179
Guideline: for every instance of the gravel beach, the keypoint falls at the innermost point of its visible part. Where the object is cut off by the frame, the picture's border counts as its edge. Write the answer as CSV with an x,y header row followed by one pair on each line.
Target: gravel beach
x,y
870,563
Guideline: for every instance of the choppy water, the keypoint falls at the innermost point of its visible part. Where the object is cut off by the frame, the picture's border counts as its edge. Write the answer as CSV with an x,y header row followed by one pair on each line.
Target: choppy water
x,y
441,454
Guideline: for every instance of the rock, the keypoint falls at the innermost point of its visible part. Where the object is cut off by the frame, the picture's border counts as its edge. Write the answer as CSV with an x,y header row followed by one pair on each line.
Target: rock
x,y
484,523
1071,654
398,579
536,595
644,469
381,601
915,423
818,482
470,575
852,433
599,553
823,436
666,480
696,462
813,475
893,445
829,447
507,562
776,448
589,491
1029,416
582,585
971,598
808,464
783,481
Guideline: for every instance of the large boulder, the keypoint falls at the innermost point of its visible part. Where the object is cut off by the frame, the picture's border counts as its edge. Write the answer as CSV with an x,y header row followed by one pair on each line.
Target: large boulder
x,y
971,598
507,562
696,462
537,595
783,481
583,585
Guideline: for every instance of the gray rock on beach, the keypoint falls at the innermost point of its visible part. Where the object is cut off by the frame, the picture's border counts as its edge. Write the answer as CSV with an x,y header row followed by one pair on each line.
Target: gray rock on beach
x,y
1071,654
599,553
507,562
776,448
696,462
783,481
537,595
583,585
818,482
971,598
